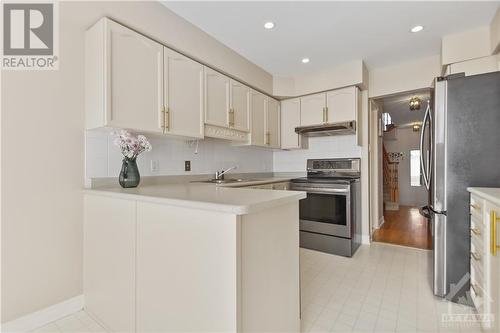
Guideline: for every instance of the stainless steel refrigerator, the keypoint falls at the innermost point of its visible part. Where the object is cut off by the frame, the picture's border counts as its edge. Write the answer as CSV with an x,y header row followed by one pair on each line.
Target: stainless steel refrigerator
x,y
463,130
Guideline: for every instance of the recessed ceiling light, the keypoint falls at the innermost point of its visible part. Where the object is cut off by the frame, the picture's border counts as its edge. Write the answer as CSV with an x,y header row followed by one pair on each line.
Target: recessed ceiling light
x,y
269,25
417,28
305,60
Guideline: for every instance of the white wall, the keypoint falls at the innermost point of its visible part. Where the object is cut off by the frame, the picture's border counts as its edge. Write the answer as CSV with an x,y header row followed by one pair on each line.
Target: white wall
x,y
407,140
353,73
495,32
466,45
103,158
319,147
412,75
42,140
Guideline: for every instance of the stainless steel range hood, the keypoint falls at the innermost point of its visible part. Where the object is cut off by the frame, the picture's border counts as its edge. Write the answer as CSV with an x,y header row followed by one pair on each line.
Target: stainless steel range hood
x,y
348,127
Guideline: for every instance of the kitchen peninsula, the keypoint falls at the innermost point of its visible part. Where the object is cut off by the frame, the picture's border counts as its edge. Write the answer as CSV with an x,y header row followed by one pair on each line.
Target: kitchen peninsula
x,y
192,257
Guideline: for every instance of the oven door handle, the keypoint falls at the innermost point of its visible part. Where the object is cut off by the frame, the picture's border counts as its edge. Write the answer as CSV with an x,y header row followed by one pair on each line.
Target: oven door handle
x,y
318,190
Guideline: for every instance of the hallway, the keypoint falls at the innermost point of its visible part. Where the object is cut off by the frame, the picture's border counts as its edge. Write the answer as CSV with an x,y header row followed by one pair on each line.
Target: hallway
x,y
405,227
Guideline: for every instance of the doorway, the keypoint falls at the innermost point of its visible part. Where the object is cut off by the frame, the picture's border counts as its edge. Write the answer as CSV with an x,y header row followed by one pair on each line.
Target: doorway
x,y
397,185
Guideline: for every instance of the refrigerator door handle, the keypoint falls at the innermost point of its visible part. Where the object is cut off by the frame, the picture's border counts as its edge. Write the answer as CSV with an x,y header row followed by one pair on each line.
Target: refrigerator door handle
x,y
425,171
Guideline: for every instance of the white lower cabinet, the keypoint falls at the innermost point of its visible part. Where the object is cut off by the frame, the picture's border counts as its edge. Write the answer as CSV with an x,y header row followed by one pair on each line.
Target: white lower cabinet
x,y
180,287
155,267
109,262
485,260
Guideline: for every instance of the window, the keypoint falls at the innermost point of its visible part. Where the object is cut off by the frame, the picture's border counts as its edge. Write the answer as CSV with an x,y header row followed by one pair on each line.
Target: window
x,y
415,174
386,120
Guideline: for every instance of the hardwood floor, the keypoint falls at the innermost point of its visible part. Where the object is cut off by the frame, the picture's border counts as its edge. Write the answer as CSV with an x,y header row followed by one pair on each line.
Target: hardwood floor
x,y
405,227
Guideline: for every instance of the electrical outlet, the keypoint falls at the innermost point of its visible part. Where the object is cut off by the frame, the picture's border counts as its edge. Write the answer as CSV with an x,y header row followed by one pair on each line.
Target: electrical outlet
x,y
155,165
187,165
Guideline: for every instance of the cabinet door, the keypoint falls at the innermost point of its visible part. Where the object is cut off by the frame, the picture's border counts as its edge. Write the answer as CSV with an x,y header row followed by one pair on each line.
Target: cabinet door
x,y
290,119
272,123
187,264
240,107
216,98
342,105
109,247
492,263
258,102
312,109
183,95
135,79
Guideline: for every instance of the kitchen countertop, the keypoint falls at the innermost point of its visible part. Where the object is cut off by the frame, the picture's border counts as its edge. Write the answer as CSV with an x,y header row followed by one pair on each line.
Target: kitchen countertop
x,y
238,201
252,182
489,193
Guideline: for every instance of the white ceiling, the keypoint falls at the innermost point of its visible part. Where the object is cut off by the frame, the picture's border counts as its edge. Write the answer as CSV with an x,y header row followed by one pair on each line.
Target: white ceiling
x,y
398,106
332,33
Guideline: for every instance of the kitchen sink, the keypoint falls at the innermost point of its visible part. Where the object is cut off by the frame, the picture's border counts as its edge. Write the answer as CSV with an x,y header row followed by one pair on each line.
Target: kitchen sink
x,y
224,181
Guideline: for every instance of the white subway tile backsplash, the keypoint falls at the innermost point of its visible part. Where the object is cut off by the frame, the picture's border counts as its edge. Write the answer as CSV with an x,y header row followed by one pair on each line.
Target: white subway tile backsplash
x,y
341,146
103,159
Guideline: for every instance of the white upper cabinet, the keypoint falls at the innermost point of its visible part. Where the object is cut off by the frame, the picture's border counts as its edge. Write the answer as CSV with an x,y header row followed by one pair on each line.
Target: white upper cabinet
x,y
272,123
312,109
134,82
258,104
290,119
183,95
239,112
342,105
124,78
217,98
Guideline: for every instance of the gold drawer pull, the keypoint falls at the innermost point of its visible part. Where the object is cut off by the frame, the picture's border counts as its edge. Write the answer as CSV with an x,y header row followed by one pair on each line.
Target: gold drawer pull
x,y
475,256
493,232
473,286
475,206
475,231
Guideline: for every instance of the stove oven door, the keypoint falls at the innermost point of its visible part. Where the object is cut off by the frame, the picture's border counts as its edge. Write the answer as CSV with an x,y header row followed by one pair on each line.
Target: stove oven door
x,y
326,210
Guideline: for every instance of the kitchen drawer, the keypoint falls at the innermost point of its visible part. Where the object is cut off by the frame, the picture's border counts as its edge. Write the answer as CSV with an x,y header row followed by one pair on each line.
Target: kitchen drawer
x,y
477,234
476,207
477,295
477,272
477,223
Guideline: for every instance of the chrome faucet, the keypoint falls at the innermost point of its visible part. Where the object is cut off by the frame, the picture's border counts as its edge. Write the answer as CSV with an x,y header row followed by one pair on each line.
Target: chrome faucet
x,y
219,175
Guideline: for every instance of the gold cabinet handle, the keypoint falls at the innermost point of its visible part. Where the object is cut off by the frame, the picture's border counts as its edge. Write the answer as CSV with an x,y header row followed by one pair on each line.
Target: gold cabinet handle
x,y
475,206
163,119
166,119
475,256
231,117
473,286
326,114
475,231
493,232
268,138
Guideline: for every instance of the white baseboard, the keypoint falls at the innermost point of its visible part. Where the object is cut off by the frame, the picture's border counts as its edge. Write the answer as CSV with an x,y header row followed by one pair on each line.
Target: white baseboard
x,y
45,316
381,222
365,239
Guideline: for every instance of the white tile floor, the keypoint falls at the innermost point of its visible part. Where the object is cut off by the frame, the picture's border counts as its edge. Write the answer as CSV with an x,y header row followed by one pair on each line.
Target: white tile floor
x,y
383,288
79,322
